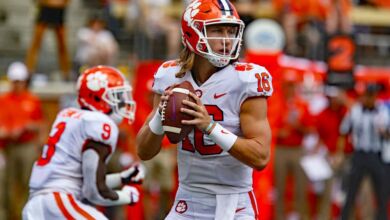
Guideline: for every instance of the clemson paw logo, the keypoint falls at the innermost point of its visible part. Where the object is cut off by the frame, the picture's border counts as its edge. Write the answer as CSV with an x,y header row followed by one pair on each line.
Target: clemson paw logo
x,y
191,11
181,207
243,66
97,81
170,64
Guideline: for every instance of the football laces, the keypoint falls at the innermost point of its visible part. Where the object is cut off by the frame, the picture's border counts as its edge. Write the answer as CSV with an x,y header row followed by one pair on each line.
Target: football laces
x,y
163,110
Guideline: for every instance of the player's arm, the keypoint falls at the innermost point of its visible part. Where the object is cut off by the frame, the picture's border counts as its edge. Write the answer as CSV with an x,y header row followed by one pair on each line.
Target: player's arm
x,y
94,186
253,148
149,137
132,175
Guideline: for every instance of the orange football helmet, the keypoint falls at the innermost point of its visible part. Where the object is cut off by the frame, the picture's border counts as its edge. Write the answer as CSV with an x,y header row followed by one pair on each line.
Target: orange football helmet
x,y
105,89
202,13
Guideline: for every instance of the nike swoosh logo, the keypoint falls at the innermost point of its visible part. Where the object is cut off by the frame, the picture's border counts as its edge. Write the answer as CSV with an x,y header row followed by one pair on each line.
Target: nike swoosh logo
x,y
240,209
217,96
224,132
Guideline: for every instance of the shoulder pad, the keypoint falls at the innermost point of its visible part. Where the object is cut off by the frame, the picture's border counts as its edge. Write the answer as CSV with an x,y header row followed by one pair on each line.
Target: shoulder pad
x,y
101,128
257,78
165,76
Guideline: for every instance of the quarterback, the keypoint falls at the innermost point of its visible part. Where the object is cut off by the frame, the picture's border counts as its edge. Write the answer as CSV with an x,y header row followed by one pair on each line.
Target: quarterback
x,y
232,133
72,166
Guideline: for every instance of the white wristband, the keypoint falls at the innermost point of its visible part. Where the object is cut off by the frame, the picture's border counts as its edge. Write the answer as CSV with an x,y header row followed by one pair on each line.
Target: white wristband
x,y
155,124
127,196
113,180
123,198
224,138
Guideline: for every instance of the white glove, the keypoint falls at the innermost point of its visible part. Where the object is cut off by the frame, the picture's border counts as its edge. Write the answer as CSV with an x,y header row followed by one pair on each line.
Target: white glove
x,y
134,174
132,193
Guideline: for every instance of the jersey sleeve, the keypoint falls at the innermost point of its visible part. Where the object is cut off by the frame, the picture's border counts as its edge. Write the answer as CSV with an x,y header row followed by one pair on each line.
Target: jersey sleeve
x,y
256,80
165,76
100,128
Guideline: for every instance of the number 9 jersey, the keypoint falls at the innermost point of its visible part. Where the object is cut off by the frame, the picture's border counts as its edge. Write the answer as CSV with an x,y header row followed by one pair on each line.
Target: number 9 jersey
x,y
59,168
203,166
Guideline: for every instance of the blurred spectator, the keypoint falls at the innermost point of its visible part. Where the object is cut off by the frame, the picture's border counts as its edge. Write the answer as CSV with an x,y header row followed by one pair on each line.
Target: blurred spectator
x,y
149,28
51,15
327,124
293,17
96,45
293,123
21,129
307,22
367,122
116,13
160,24
246,9
338,17
382,3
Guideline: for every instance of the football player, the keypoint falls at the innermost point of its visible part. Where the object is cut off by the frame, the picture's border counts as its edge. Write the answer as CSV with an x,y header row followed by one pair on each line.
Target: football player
x,y
232,134
72,166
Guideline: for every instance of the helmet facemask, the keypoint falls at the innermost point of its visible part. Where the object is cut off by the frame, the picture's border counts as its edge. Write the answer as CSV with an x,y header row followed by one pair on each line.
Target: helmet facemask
x,y
233,41
121,101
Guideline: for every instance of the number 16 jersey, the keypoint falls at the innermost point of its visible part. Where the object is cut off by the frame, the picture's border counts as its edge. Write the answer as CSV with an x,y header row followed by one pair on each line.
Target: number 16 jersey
x,y
203,166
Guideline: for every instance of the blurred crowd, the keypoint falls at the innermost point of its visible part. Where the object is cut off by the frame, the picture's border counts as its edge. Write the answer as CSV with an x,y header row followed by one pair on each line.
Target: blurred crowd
x,y
345,131
133,30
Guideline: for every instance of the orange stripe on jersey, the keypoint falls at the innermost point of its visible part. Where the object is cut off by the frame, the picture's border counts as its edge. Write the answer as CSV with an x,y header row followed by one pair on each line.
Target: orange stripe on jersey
x,y
79,209
61,205
254,204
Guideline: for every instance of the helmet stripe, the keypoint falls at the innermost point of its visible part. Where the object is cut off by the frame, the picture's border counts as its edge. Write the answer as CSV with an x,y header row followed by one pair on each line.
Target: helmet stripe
x,y
224,4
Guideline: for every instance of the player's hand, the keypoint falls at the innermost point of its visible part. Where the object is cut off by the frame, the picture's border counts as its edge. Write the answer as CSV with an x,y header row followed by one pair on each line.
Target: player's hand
x,y
134,174
133,194
164,99
202,118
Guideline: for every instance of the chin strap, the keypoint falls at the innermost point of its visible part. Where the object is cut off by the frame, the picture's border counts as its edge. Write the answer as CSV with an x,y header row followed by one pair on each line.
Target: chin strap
x,y
217,62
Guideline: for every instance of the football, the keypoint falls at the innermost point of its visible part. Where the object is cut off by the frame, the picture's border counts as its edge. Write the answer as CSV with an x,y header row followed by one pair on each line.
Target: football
x,y
172,116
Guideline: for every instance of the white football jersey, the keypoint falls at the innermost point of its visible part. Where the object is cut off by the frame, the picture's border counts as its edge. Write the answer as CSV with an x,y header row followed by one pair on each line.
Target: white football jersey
x,y
203,166
59,167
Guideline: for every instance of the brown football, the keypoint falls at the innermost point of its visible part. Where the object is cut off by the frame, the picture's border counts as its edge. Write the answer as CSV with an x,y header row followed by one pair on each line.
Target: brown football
x,y
172,116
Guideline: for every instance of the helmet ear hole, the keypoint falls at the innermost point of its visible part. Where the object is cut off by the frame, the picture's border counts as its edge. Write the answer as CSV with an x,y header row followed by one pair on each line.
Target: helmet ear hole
x,y
97,99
